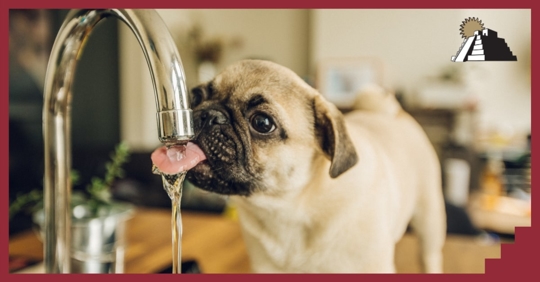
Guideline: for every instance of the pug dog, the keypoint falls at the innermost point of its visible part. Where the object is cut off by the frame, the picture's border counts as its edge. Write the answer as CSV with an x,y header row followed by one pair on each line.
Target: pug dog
x,y
316,191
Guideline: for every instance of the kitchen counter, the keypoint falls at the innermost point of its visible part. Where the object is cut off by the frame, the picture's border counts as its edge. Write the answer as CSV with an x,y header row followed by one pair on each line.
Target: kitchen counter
x,y
212,240
215,242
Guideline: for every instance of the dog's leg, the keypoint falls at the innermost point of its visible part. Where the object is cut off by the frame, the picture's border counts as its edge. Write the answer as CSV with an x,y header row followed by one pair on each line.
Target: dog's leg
x,y
429,223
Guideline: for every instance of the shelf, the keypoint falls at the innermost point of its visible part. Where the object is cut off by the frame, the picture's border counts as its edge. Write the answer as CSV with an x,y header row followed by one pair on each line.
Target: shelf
x,y
499,213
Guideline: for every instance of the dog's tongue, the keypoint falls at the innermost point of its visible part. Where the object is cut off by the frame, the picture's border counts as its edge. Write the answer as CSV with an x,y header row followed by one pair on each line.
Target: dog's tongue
x,y
173,161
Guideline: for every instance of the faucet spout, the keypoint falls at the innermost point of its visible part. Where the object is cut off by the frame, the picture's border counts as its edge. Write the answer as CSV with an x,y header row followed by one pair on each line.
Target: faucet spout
x,y
174,116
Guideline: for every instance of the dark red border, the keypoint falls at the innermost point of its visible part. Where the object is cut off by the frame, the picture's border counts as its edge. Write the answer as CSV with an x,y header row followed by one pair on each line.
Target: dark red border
x,y
518,261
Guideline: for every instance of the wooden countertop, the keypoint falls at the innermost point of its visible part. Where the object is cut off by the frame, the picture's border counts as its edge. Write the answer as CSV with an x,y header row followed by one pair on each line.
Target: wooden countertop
x,y
215,242
212,240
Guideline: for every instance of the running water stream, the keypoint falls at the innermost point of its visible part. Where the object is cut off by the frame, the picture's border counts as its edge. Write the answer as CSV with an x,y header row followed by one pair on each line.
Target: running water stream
x,y
172,183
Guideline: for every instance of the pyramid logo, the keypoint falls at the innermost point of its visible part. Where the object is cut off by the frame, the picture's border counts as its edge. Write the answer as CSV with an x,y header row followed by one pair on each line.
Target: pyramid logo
x,y
481,44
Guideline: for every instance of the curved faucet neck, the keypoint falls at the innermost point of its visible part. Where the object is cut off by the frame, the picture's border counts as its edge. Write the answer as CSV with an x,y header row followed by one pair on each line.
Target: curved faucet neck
x,y
174,116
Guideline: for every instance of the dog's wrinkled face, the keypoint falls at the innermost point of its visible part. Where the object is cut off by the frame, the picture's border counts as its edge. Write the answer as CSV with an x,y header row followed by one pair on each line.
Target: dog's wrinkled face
x,y
257,126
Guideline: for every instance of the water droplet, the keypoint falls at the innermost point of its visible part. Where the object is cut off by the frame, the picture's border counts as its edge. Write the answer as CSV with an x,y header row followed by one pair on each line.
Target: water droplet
x,y
176,152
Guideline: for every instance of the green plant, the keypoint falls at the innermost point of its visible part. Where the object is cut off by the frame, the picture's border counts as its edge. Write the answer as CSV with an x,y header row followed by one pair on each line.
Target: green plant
x,y
97,193
100,189
34,199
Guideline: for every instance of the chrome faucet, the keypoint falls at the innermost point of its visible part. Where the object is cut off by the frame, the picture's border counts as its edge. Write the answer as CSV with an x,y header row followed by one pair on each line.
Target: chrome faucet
x,y
174,118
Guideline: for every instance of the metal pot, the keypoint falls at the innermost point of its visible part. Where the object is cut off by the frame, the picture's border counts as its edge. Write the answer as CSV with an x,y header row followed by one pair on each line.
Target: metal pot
x,y
97,242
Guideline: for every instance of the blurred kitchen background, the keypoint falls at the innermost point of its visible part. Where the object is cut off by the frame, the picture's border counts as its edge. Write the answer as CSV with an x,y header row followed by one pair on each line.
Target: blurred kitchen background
x,y
477,114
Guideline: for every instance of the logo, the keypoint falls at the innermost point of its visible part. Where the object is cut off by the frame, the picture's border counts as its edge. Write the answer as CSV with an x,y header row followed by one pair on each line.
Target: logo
x,y
481,44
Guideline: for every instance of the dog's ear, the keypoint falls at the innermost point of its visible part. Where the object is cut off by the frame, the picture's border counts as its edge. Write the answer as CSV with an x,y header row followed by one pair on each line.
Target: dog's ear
x,y
332,136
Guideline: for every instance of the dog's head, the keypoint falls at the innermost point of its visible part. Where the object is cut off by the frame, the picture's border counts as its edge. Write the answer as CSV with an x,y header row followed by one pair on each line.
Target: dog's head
x,y
261,128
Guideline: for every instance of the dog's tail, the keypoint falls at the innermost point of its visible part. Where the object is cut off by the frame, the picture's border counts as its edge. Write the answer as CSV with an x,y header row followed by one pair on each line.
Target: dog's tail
x,y
376,99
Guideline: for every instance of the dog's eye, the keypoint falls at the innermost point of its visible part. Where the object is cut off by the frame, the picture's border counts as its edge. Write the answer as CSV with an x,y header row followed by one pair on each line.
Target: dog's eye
x,y
262,123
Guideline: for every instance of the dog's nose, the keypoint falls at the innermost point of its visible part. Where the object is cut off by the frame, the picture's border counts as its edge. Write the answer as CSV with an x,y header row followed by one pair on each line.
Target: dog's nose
x,y
214,117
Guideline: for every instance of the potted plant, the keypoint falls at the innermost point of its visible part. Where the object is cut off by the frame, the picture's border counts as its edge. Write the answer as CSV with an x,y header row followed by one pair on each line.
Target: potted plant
x,y
98,221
